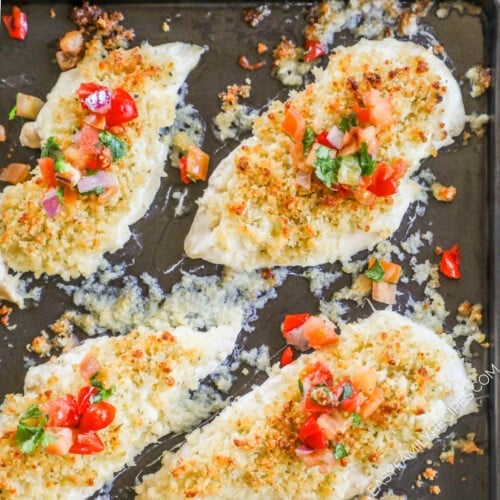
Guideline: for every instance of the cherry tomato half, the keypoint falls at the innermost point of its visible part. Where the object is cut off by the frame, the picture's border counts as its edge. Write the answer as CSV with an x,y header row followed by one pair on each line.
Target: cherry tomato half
x,y
97,416
62,411
314,50
450,263
86,443
16,23
123,108
311,434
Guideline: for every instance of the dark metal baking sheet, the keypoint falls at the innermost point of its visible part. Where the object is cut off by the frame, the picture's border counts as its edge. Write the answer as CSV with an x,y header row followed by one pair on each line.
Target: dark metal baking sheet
x,y
473,219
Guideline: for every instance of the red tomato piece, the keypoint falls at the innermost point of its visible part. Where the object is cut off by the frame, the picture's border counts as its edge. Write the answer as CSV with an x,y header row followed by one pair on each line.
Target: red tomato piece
x,y
293,321
450,263
16,23
321,138
86,443
123,108
47,170
97,416
286,356
383,181
62,412
64,440
84,398
314,50
311,434
319,333
88,140
318,374
350,404
183,170
363,114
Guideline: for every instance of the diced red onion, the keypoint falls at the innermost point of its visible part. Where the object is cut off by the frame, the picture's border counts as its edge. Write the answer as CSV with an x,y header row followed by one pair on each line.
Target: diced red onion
x,y
101,179
296,338
384,292
99,101
303,450
335,137
50,203
303,178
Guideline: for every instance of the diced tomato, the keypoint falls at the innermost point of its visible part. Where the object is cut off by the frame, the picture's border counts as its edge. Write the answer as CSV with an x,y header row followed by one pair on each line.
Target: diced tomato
x,y
47,170
363,114
333,424
89,366
286,356
97,416
88,140
318,374
16,23
70,195
449,264
311,434
383,182
293,321
321,138
351,403
64,440
319,333
86,443
183,170
375,399
197,164
354,138
380,108
392,271
14,173
364,379
314,50
84,397
294,124
62,411
123,108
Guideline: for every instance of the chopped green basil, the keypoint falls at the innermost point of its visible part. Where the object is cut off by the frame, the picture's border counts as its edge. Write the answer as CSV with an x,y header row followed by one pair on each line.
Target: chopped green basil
x,y
366,162
346,391
327,166
117,146
61,165
376,272
340,451
30,430
347,122
103,392
356,419
12,112
51,149
308,139
321,395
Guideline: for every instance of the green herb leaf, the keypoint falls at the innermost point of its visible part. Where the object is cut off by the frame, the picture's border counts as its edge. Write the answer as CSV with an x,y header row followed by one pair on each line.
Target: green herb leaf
x,y
103,392
327,166
30,429
308,139
366,162
60,194
51,149
12,112
356,419
347,122
117,146
301,387
347,391
376,272
340,451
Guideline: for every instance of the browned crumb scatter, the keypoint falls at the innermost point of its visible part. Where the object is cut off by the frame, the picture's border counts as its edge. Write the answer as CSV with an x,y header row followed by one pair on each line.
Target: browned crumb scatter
x,y
254,16
232,95
52,13
479,79
261,48
62,338
434,489
443,193
5,312
429,474
245,63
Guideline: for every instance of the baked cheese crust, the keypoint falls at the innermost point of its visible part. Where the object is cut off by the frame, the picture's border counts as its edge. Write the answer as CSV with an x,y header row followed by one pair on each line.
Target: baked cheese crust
x,y
248,451
254,214
73,243
154,374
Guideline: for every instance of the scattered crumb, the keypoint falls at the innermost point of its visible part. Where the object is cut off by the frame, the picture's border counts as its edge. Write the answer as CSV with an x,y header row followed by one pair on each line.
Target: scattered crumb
x,y
245,63
165,27
3,135
288,64
434,489
429,474
52,13
261,48
254,16
62,339
478,123
5,312
467,446
443,193
479,79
